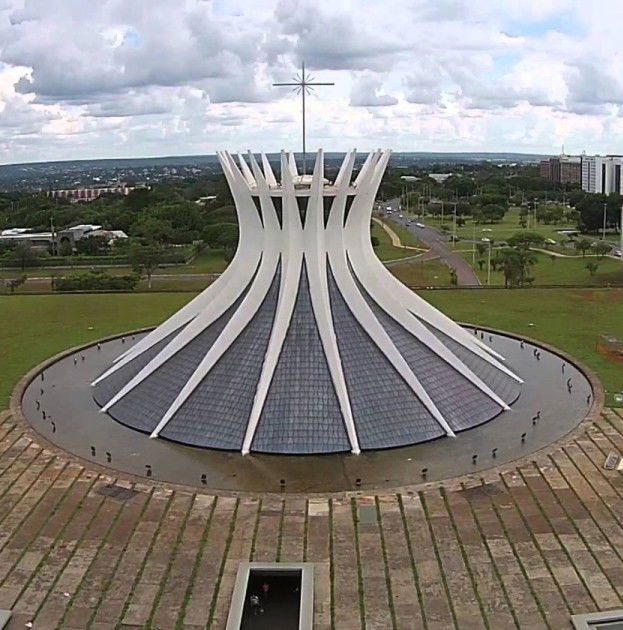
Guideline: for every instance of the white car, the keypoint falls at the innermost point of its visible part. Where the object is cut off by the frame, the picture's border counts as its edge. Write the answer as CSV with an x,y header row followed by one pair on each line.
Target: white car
x,y
551,241
617,252
486,230
420,225
485,239
389,208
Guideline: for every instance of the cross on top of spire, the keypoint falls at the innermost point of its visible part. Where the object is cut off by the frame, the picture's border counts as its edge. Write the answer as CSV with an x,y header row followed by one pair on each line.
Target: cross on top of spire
x,y
303,84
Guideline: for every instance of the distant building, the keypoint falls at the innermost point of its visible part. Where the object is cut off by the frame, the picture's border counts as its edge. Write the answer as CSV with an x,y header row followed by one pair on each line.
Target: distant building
x,y
37,240
110,235
89,194
50,240
602,174
439,177
84,229
563,169
203,200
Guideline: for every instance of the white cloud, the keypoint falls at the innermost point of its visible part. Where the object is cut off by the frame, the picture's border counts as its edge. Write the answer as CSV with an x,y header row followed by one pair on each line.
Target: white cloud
x,y
367,92
152,77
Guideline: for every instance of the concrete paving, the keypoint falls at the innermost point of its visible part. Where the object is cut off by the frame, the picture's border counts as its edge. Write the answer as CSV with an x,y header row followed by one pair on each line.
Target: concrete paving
x,y
523,547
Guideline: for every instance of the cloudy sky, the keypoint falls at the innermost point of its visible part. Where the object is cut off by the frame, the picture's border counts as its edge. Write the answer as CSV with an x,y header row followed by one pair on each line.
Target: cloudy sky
x,y
122,78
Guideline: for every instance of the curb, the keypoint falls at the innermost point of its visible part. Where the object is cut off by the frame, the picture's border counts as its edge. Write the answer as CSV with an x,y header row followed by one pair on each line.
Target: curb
x,y
451,483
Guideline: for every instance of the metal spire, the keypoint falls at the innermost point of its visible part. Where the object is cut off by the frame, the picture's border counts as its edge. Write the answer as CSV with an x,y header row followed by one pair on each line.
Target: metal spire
x,y
303,84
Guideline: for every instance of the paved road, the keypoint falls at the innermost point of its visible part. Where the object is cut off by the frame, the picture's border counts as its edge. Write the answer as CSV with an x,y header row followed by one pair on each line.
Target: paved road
x,y
438,244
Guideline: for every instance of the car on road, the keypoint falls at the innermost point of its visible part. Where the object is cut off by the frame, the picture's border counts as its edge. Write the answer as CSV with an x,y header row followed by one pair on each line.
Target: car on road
x,y
617,252
550,241
389,208
486,230
420,225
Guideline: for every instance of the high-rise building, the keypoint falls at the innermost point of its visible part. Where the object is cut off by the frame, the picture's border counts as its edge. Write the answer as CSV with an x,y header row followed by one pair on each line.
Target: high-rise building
x,y
602,174
564,169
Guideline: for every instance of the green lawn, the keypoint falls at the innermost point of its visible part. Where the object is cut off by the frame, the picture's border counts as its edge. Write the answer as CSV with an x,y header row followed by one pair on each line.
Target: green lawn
x,y
429,273
385,250
207,261
33,328
570,319
505,229
553,270
404,234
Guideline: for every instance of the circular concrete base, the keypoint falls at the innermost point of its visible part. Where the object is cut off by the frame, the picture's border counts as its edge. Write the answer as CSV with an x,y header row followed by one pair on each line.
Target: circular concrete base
x,y
56,400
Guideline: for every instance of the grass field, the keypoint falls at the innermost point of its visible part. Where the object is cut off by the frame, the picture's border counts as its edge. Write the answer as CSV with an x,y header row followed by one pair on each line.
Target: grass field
x,y
385,250
555,270
404,234
417,273
207,261
506,228
33,328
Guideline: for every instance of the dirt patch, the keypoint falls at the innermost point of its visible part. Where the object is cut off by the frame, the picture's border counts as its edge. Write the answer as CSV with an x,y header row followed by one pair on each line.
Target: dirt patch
x,y
599,296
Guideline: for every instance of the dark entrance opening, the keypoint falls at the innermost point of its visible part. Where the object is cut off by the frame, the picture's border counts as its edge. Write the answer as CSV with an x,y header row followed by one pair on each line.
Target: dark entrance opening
x,y
272,600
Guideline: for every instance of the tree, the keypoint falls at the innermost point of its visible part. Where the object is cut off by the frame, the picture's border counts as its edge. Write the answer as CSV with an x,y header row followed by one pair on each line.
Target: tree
x,y
583,245
481,263
145,259
592,268
24,256
481,249
591,211
91,245
65,248
454,279
13,283
375,241
152,230
550,213
516,264
601,249
526,239
490,213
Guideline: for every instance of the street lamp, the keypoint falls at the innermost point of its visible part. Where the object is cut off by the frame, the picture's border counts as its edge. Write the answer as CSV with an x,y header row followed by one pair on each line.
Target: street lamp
x,y
603,229
473,241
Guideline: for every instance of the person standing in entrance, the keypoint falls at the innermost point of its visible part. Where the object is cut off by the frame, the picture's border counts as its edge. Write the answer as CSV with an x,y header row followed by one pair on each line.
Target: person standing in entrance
x,y
254,600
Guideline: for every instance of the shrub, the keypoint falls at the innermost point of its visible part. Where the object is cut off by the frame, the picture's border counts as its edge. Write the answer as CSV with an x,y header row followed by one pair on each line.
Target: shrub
x,y
96,281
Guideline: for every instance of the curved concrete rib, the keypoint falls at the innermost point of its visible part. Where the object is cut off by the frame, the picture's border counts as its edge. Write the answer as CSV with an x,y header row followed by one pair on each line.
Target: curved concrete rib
x,y
359,249
246,311
379,336
239,321
291,265
228,287
368,321
316,259
268,172
346,170
384,298
246,173
292,166
361,253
